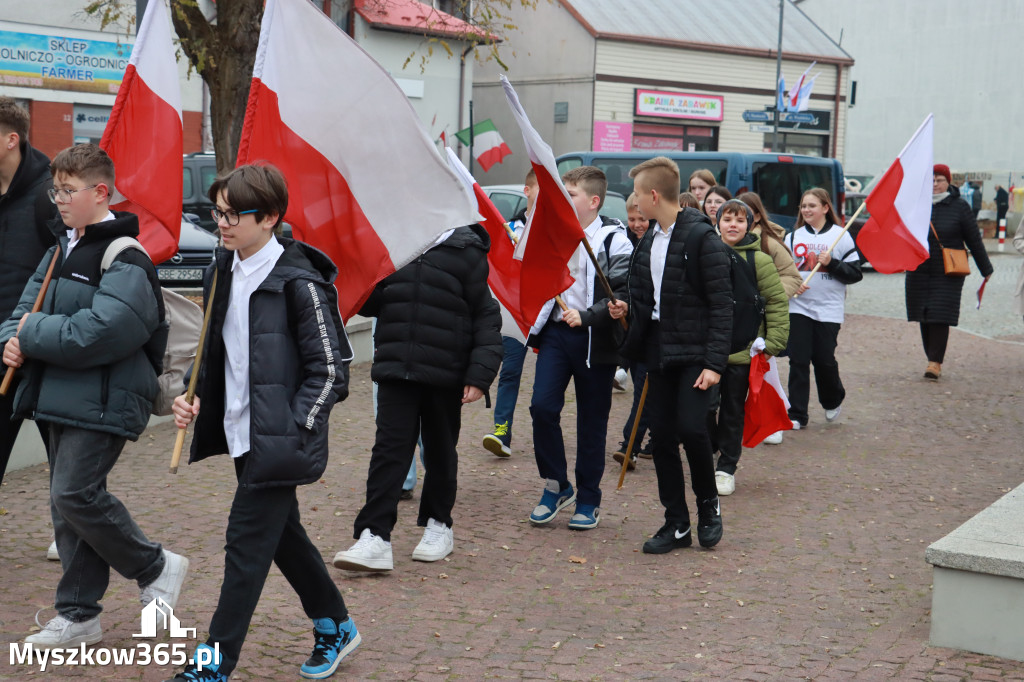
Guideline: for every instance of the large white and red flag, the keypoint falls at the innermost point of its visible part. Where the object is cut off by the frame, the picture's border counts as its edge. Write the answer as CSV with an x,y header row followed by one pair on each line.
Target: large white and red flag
x,y
800,94
766,409
553,233
366,184
505,271
143,136
895,238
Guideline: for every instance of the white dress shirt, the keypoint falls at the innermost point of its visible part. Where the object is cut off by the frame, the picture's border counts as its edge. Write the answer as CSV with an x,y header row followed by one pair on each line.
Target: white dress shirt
x,y
659,251
575,297
246,276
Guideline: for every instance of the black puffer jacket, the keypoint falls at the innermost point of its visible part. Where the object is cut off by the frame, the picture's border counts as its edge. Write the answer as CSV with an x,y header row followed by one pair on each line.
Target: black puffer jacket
x,y
24,236
298,368
695,329
932,296
437,323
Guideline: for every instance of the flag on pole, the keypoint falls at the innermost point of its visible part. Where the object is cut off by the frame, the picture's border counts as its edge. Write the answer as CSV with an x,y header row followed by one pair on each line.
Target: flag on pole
x,y
780,96
488,147
793,97
365,181
895,238
505,271
767,408
553,233
143,137
803,102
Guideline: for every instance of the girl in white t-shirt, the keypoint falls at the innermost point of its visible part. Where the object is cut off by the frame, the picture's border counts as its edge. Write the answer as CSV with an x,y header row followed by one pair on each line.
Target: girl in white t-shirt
x,y
816,312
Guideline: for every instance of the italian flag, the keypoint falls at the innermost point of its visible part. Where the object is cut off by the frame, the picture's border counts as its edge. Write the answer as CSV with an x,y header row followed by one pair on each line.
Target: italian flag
x,y
488,147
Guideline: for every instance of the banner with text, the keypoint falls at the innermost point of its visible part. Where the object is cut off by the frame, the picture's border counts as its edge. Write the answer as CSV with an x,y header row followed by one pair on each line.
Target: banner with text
x,y
34,60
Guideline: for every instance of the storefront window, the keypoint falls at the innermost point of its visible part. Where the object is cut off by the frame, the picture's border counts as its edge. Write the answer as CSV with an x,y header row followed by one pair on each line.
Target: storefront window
x,y
658,137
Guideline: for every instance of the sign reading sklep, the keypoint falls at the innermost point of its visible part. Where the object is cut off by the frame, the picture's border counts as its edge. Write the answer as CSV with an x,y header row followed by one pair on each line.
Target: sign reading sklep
x,y
664,104
156,615
34,60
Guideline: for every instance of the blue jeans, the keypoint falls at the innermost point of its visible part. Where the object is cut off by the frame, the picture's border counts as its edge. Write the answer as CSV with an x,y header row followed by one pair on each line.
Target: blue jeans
x,y
94,530
563,356
508,384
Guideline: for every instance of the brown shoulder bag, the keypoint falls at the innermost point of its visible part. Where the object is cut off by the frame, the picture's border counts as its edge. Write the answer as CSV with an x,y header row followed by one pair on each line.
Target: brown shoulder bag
x,y
953,260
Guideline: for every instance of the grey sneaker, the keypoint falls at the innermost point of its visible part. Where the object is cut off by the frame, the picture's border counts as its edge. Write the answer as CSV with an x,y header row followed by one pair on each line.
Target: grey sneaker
x,y
168,584
832,415
370,553
63,633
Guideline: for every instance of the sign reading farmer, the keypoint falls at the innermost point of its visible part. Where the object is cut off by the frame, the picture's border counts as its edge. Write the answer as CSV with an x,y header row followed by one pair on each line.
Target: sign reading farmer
x,y
33,60
678,105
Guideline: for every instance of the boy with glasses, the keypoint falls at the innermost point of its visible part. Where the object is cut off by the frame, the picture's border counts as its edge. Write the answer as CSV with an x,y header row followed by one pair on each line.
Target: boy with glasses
x,y
90,360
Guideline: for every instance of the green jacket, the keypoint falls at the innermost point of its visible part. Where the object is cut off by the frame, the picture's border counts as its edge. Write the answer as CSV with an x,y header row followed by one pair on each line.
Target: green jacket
x,y
776,336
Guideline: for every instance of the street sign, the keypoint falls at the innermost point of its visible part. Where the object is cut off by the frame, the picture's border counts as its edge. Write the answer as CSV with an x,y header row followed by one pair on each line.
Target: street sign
x,y
798,117
761,128
751,116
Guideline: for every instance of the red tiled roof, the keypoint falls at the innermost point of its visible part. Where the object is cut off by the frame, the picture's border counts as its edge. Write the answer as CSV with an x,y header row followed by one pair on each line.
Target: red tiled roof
x,y
412,16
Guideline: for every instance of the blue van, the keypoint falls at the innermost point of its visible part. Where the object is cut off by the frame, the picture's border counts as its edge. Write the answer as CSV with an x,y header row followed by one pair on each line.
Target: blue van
x,y
779,179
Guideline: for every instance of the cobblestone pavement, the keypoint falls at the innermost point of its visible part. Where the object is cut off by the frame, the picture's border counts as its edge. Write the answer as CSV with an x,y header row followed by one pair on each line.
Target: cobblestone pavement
x,y
820,574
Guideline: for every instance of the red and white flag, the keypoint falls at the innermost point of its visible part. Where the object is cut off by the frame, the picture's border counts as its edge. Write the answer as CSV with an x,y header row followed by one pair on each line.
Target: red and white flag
x,y
553,233
143,137
365,182
895,238
795,96
505,271
767,407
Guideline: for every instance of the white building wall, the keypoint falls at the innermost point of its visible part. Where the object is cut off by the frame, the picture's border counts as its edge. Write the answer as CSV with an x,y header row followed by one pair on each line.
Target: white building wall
x,y
914,57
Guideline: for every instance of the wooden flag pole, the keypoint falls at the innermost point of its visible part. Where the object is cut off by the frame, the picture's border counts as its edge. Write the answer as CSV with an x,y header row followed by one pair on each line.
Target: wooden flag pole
x,y
36,307
845,228
190,395
632,435
604,280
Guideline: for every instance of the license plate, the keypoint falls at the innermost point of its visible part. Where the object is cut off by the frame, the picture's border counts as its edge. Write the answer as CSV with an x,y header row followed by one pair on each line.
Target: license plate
x,y
189,274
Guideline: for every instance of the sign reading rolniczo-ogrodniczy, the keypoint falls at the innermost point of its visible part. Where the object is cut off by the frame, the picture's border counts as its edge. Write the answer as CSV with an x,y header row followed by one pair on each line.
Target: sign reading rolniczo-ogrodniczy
x,y
34,60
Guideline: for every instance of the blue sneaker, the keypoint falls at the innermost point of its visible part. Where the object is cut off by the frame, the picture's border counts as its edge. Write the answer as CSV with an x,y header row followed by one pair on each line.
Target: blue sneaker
x,y
200,670
334,641
587,516
551,502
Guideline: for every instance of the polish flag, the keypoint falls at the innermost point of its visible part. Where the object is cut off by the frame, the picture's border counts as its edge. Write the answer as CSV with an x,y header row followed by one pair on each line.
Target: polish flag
x,y
553,233
895,238
505,271
366,184
143,137
767,407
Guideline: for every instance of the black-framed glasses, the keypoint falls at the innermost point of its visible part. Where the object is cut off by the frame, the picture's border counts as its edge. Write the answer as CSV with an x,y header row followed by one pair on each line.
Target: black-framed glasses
x,y
65,195
230,217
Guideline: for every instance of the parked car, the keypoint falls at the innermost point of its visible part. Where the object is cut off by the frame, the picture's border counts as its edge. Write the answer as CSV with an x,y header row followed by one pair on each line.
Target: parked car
x,y
195,253
200,170
853,202
780,179
510,200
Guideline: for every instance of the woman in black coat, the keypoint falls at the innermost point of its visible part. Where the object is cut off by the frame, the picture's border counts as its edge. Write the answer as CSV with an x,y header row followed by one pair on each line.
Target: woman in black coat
x,y
933,298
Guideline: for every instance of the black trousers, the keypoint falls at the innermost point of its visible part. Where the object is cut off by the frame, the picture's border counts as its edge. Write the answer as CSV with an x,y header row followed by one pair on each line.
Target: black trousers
x,y
729,426
264,526
9,428
405,410
813,342
934,337
678,414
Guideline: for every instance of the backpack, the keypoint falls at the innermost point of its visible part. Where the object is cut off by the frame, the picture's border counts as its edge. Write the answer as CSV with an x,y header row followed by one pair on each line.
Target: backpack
x,y
172,348
748,304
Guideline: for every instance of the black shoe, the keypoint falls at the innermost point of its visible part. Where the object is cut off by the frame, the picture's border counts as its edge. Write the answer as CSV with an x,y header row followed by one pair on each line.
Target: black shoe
x,y
620,455
709,522
405,494
646,452
670,536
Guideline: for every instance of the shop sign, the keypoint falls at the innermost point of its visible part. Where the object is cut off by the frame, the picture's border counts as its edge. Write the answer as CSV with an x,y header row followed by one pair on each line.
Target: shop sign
x,y
613,137
34,60
664,104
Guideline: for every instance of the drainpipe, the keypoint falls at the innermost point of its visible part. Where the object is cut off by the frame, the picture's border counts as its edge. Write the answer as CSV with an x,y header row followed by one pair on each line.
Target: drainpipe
x,y
462,85
835,114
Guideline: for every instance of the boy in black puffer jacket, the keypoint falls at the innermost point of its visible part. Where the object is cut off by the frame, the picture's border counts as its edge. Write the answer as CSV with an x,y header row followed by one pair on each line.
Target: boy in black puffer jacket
x,y
437,347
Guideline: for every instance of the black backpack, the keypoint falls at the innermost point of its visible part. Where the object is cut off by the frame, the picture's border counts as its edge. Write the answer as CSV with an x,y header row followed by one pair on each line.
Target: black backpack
x,y
748,303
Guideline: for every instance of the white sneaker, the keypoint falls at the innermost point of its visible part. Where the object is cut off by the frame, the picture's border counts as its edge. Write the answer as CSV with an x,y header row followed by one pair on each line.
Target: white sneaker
x,y
63,633
168,584
726,483
832,415
51,552
619,382
796,425
370,553
774,439
437,543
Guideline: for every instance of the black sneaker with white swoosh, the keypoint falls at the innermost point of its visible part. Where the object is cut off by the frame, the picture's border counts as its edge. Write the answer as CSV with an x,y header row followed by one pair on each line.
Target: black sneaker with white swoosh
x,y
670,536
709,522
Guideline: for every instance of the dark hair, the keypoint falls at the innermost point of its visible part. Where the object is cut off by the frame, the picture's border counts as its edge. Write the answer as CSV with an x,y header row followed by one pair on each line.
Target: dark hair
x,y
688,200
13,118
85,161
590,179
826,201
720,190
752,200
254,187
736,206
